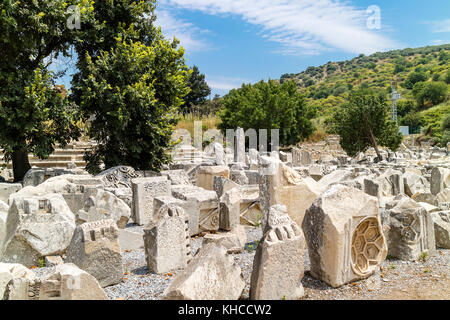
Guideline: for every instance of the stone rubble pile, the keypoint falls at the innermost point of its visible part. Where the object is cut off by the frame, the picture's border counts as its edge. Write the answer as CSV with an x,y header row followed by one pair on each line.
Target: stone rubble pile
x,y
347,213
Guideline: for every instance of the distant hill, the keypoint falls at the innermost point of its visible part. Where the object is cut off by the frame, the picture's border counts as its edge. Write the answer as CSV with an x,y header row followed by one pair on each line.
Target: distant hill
x,y
328,86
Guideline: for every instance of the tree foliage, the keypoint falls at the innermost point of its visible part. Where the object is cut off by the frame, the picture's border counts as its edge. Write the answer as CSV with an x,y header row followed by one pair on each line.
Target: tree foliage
x,y
33,114
133,20
130,83
413,78
133,92
365,122
268,105
430,93
199,90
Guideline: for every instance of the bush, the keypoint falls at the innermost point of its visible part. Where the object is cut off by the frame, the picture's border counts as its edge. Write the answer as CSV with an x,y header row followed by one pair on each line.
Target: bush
x,y
365,122
413,78
445,131
268,105
430,93
433,118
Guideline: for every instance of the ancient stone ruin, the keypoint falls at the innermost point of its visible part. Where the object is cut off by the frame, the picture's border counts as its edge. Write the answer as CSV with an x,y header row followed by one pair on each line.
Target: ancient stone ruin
x,y
225,223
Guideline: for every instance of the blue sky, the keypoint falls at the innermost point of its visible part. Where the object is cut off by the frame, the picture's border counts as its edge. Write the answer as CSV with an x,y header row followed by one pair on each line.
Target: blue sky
x,y
236,41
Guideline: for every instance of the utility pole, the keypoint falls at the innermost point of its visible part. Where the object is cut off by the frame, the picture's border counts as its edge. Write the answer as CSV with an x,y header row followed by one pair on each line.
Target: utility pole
x,y
395,96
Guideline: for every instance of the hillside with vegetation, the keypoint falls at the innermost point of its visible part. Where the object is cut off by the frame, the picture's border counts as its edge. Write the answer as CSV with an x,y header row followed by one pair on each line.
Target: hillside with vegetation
x,y
422,76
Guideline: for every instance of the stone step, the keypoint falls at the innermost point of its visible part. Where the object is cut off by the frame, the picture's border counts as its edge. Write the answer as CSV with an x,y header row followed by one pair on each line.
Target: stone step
x,y
53,157
51,164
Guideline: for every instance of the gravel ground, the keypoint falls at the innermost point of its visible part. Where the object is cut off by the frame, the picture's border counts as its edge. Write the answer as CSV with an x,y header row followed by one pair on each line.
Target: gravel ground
x,y
396,280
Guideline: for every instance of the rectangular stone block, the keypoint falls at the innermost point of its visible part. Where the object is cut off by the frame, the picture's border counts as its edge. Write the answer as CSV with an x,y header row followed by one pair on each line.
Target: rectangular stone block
x,y
202,208
6,189
144,191
206,174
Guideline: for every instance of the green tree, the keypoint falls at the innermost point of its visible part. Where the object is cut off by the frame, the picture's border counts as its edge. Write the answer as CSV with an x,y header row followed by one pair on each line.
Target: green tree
x,y
447,77
131,20
199,90
413,78
131,82
34,116
365,122
208,107
134,92
430,93
268,105
445,131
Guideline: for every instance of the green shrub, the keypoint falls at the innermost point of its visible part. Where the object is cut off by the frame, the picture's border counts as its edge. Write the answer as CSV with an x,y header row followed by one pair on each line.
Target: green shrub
x,y
268,105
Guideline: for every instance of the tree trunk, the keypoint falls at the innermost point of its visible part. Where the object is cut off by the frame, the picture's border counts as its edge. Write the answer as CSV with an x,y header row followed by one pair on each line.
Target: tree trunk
x,y
20,164
375,146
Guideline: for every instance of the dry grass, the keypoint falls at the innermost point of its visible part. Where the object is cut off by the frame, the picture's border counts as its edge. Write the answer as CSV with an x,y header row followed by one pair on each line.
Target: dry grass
x,y
320,134
187,122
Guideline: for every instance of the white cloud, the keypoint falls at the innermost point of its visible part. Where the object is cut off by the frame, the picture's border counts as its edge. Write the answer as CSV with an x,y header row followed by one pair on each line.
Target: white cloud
x,y
225,83
436,42
184,31
306,26
440,26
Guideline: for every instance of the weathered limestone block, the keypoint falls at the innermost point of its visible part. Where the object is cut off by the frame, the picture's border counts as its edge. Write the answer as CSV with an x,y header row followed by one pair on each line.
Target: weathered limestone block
x,y
441,222
253,156
415,183
4,208
239,177
206,174
95,249
230,209
440,179
219,154
222,185
162,201
344,236
372,188
124,194
280,184
67,282
239,147
425,197
250,210
428,207
278,263
234,241
176,176
237,201
334,177
252,176
37,227
409,230
327,158
11,271
286,156
201,206
316,171
300,157
211,275
118,177
391,183
101,205
144,191
36,176
443,196
167,240
6,189
72,187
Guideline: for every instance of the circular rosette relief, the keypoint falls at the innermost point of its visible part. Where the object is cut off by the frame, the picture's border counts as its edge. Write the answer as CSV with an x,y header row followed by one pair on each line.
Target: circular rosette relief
x,y
367,246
